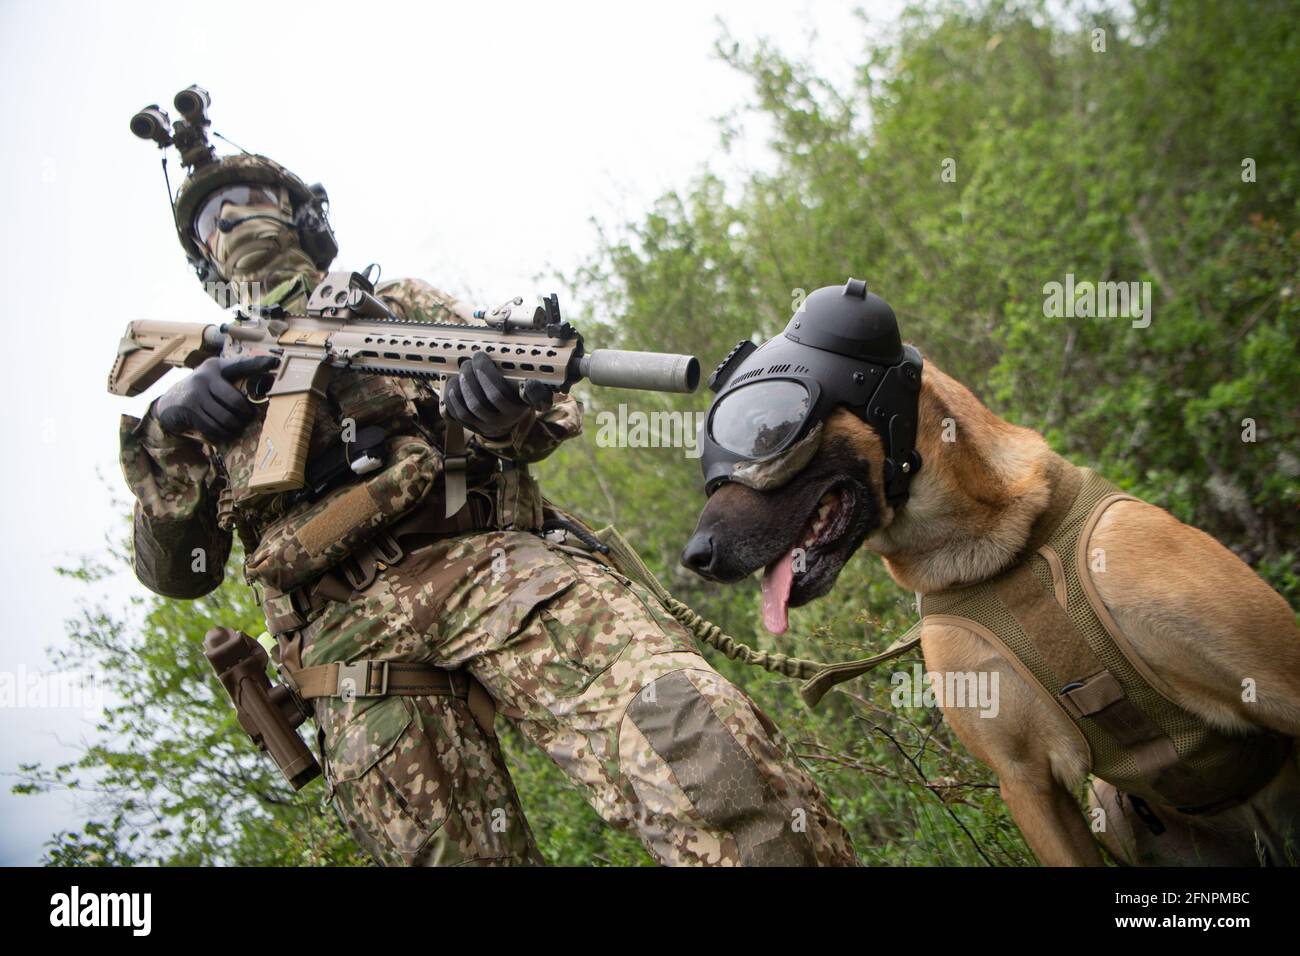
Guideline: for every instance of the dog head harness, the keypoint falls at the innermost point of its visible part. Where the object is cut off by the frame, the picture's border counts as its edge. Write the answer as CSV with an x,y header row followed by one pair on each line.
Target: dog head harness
x,y
841,348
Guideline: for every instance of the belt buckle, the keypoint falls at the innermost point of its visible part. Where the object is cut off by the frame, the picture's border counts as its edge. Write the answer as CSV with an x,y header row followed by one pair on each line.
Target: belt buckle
x,y
357,573
386,550
359,674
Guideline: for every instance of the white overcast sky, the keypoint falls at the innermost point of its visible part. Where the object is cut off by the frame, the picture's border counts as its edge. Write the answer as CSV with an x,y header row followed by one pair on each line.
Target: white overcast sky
x,y
469,144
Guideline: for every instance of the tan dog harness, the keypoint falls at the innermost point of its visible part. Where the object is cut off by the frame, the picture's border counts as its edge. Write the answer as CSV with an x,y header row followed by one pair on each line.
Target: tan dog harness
x,y
1045,611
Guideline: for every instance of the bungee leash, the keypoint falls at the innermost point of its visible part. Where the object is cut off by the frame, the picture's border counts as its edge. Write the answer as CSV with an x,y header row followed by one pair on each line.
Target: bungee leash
x,y
818,678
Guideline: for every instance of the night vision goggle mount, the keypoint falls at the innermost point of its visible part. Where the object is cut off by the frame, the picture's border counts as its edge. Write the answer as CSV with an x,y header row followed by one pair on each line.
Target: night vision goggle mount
x,y
841,348
189,135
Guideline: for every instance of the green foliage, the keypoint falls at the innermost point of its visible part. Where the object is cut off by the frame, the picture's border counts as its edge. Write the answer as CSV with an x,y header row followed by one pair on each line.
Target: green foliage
x,y
1122,165
171,778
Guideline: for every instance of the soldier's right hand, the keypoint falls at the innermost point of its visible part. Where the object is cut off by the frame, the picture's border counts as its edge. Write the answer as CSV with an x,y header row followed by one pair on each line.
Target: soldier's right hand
x,y
207,402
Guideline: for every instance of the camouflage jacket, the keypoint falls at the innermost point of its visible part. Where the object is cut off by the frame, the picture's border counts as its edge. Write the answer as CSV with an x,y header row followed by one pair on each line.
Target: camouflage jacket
x,y
192,496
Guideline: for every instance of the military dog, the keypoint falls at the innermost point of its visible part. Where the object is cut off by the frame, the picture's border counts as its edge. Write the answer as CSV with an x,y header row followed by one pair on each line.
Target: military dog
x,y
1198,618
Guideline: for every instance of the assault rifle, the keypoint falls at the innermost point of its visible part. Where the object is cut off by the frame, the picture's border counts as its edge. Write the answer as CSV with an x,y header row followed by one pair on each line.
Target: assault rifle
x,y
348,328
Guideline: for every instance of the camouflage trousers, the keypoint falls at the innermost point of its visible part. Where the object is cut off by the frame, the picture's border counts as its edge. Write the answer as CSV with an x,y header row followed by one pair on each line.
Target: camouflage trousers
x,y
591,669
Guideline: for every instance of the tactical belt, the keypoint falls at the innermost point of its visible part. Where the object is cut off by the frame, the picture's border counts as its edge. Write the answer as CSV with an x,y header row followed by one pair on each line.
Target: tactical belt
x,y
368,678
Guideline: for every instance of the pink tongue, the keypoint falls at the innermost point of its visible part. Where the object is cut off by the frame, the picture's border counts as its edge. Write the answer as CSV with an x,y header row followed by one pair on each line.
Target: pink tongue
x,y
777,580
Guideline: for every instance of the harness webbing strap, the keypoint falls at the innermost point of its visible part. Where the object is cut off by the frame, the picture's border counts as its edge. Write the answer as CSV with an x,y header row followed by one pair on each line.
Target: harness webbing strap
x,y
1138,738
454,462
1084,685
1042,619
817,686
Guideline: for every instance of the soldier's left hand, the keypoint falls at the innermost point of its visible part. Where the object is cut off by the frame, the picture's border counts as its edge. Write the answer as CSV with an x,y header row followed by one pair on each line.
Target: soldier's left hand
x,y
484,401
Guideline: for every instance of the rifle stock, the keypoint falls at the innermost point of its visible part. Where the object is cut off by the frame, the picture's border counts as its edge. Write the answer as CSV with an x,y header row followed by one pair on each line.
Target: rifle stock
x,y
149,349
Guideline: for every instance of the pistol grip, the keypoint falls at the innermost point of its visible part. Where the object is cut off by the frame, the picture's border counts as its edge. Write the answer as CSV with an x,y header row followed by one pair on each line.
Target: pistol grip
x,y
281,460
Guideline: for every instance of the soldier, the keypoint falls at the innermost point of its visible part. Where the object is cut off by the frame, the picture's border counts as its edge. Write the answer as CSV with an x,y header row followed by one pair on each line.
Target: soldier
x,y
443,621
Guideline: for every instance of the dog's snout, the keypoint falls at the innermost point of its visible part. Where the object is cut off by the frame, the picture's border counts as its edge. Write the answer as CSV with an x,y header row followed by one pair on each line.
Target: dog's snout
x,y
698,555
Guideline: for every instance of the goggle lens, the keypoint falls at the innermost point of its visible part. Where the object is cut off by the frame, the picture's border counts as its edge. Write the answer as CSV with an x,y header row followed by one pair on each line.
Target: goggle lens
x,y
761,419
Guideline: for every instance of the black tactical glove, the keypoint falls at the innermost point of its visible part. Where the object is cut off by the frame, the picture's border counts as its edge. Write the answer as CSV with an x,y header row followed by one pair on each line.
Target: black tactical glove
x,y
481,399
205,400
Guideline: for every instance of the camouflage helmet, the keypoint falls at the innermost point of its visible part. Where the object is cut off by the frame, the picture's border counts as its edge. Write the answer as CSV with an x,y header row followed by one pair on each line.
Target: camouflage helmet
x,y
310,205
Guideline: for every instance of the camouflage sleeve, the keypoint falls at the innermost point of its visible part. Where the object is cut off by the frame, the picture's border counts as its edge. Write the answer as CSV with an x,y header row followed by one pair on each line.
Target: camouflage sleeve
x,y
180,552
536,436
417,301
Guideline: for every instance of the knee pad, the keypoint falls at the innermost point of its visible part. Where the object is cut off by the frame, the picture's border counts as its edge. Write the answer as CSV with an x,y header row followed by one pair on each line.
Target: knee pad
x,y
716,774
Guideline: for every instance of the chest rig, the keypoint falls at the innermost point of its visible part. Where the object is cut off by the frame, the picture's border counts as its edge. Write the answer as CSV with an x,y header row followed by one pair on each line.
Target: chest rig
x,y
1045,611
369,497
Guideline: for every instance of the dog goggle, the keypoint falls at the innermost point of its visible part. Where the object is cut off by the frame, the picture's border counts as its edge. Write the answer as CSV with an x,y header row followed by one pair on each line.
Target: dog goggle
x,y
768,474
762,419
771,426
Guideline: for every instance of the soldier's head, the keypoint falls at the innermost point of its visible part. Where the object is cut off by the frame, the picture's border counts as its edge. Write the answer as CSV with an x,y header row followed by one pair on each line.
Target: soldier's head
x,y
241,218
246,218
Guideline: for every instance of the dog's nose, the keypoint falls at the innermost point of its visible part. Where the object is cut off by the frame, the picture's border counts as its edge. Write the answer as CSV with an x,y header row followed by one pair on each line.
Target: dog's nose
x,y
698,555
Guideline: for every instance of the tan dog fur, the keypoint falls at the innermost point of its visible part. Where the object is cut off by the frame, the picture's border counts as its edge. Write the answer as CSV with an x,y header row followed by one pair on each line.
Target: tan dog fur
x,y
1197,616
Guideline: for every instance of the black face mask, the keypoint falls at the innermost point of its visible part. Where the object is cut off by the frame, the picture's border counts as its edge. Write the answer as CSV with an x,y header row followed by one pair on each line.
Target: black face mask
x,y
841,348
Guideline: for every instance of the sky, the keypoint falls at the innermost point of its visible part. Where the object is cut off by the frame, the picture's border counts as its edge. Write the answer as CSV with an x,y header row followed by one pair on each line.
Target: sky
x,y
471,145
